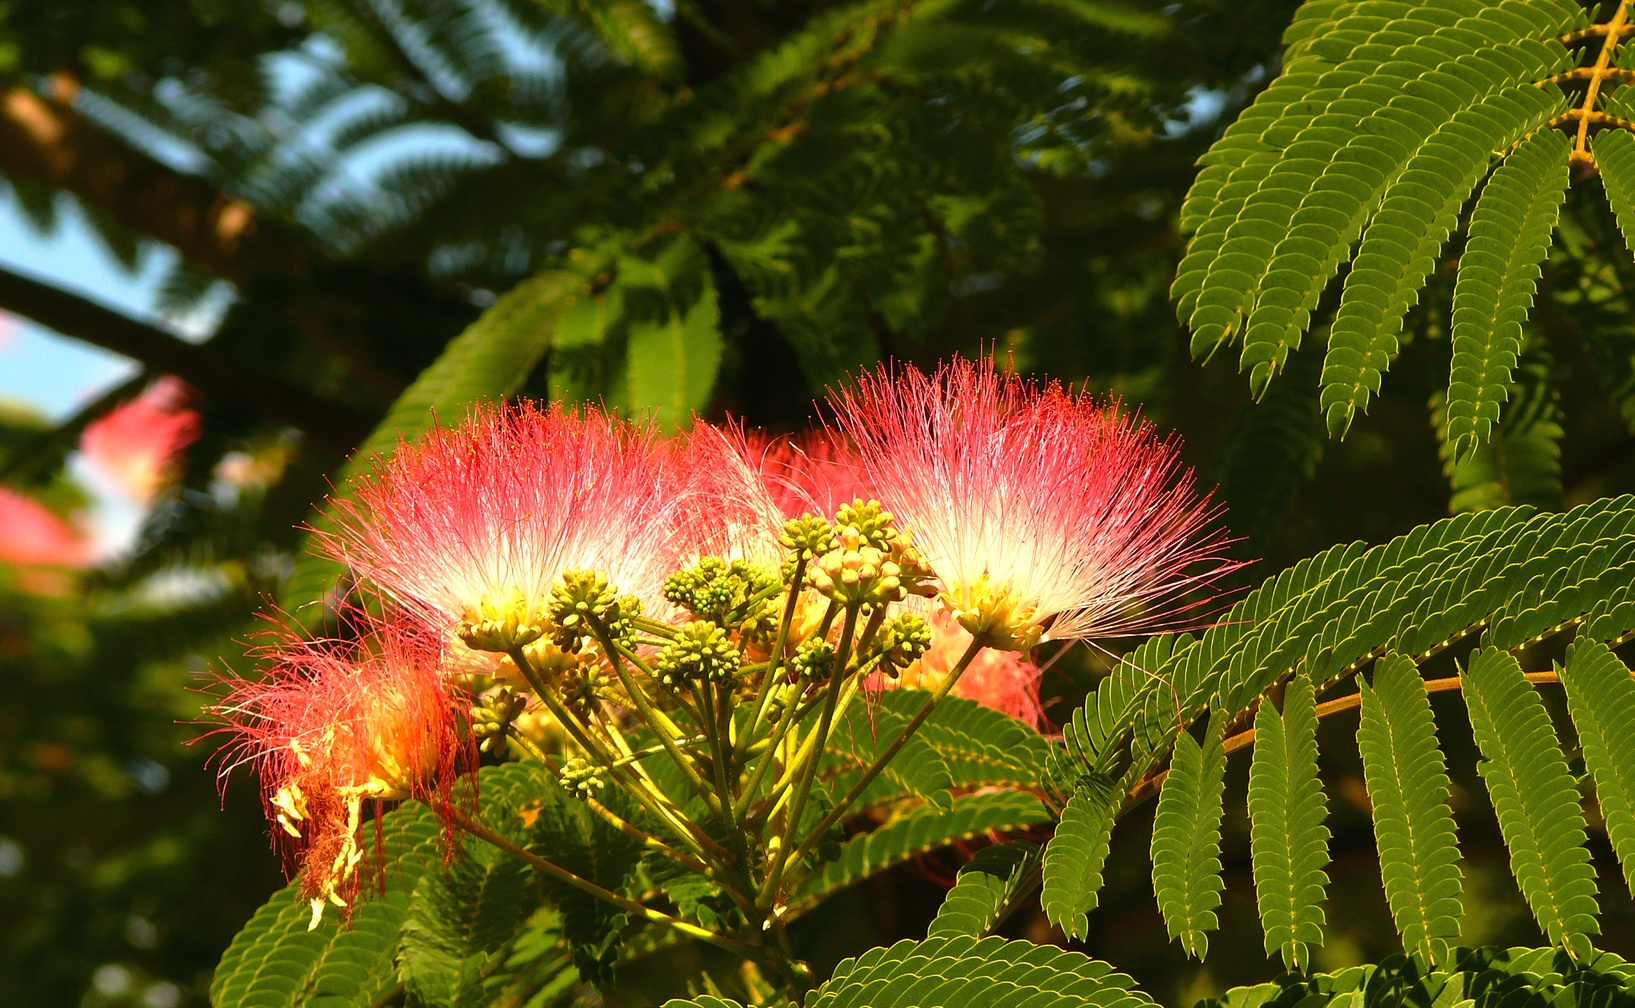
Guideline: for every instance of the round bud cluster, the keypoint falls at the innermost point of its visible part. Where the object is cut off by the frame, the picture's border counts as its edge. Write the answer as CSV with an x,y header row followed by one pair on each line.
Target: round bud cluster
x,y
701,651
728,593
493,714
815,659
583,778
902,641
854,571
871,521
807,535
584,595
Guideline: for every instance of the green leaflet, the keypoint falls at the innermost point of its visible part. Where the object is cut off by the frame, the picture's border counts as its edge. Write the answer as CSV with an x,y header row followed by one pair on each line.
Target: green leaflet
x,y
1288,841
1090,737
276,962
457,924
1384,118
988,888
1534,795
1484,976
490,360
1186,838
1519,462
961,744
964,972
1615,157
1075,856
1400,246
1601,699
915,833
1498,274
1413,826
674,342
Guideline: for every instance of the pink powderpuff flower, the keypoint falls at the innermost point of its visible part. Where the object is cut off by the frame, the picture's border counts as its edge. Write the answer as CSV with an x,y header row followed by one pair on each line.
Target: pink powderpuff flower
x,y
475,525
1002,680
138,444
746,485
32,536
334,724
1045,514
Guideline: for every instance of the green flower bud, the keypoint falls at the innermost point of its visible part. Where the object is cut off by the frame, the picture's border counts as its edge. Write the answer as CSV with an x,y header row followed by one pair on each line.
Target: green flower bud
x,y
493,714
583,778
701,651
815,659
901,642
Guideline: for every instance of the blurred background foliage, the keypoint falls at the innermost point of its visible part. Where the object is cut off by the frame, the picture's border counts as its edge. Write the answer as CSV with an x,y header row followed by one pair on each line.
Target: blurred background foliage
x,y
720,205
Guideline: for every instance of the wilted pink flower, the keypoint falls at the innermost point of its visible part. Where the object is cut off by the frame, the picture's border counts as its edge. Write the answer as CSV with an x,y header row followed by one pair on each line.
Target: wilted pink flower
x,y
333,724
32,536
477,523
1003,680
138,443
1044,514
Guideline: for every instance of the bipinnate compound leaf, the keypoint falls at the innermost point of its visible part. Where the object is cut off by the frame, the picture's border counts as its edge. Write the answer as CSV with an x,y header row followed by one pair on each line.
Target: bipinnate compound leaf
x,y
1186,838
1498,274
1288,841
1365,150
1516,572
988,888
962,744
1534,796
964,972
276,962
916,832
1601,699
674,341
1413,826
1075,855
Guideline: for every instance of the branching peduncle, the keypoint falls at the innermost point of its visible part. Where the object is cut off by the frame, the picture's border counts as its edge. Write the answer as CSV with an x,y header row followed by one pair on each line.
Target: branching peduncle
x,y
879,765
808,771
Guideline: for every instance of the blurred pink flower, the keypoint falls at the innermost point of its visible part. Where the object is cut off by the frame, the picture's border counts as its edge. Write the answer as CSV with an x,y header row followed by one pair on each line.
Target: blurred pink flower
x,y
138,443
32,536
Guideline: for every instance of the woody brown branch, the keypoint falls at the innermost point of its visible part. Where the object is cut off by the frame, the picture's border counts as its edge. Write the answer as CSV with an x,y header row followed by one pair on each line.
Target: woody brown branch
x,y
47,141
199,365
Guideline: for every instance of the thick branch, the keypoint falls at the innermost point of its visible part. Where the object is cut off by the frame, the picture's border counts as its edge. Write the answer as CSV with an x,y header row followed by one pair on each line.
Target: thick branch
x,y
52,144
200,366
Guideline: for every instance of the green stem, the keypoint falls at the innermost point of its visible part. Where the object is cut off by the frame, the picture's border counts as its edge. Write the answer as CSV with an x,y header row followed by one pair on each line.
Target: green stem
x,y
769,892
778,646
645,709
896,746
642,789
487,835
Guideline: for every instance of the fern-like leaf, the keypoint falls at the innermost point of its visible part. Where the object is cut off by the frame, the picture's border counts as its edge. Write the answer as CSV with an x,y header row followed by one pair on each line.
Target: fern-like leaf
x,y
1288,841
1498,273
1186,839
1601,699
1534,795
917,832
988,888
961,972
1075,856
1413,826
